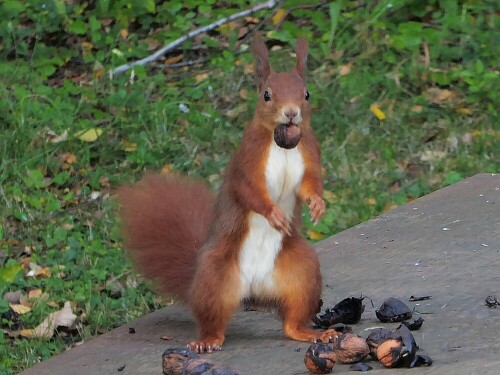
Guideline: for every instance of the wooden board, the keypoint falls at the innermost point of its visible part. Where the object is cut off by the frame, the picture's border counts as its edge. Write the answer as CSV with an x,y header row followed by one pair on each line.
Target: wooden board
x,y
446,245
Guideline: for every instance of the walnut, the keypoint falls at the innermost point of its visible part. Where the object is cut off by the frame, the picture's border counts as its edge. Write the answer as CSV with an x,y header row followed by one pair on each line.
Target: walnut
x,y
375,338
349,348
319,358
391,353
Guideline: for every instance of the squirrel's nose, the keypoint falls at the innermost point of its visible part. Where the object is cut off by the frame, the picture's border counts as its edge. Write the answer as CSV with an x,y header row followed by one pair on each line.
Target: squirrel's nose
x,y
290,114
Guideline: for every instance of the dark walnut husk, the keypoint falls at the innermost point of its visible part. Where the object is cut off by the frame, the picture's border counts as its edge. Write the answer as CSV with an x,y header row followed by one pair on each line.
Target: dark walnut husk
x,y
319,358
393,310
361,366
349,348
415,325
287,135
341,328
174,360
375,338
491,301
400,350
347,311
201,366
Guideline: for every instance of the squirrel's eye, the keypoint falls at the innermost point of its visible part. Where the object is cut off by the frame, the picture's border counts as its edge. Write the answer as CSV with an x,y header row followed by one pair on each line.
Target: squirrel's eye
x,y
307,94
267,96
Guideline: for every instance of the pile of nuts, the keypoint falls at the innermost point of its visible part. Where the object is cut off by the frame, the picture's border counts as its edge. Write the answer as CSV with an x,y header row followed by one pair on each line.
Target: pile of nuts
x,y
391,348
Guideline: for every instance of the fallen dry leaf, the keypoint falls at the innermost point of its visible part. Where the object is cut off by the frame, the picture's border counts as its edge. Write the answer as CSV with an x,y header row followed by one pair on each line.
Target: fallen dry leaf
x,y
345,69
175,59
417,108
87,48
98,70
12,297
166,338
248,69
432,155
57,138
166,169
236,111
45,330
67,159
152,43
35,293
464,111
124,33
201,77
20,309
436,95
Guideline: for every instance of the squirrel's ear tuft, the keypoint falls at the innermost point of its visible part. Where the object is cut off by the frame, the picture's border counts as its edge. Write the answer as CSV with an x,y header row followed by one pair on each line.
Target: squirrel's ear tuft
x,y
261,56
301,52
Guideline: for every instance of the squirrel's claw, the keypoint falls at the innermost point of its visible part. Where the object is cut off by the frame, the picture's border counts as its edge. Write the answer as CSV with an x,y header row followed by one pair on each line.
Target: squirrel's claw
x,y
317,207
279,222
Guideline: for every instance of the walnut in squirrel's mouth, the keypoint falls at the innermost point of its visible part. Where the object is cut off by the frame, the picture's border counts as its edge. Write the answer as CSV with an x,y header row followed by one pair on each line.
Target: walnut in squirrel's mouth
x,y
287,135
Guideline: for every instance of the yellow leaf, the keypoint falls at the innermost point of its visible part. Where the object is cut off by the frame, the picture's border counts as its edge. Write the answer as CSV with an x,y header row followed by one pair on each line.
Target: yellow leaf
x,y
129,146
201,77
464,111
313,235
377,111
227,27
20,309
89,135
278,16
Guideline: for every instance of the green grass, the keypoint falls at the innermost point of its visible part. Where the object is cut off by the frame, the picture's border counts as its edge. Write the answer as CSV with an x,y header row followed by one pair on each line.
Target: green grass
x,y
430,66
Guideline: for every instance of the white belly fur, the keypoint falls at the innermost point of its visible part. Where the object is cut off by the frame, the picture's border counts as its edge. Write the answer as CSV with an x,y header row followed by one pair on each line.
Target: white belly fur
x,y
284,171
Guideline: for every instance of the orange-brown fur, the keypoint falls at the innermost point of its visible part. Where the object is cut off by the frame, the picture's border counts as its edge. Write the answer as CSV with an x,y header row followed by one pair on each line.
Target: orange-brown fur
x,y
178,235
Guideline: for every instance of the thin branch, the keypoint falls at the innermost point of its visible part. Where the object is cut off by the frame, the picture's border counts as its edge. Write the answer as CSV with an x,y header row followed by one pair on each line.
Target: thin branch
x,y
182,64
122,68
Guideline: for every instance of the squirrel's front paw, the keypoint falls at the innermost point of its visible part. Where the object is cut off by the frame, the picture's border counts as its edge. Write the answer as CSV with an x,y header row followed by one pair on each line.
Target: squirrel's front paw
x,y
278,221
317,207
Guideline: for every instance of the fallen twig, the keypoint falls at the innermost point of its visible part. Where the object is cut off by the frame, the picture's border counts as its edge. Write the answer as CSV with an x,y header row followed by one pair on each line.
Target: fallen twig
x,y
122,68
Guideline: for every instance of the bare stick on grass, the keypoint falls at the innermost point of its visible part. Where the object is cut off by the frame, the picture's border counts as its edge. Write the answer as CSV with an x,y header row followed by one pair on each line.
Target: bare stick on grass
x,y
122,68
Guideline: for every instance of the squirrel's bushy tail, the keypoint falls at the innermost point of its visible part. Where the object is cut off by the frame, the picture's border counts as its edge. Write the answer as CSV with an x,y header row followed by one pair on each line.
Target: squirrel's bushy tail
x,y
166,220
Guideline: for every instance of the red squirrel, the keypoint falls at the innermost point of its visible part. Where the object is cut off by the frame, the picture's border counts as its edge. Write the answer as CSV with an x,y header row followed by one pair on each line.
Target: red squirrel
x,y
244,244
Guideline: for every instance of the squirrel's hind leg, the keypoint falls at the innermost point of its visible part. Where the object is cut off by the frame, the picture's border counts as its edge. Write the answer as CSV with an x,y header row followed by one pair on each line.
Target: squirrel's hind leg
x,y
215,296
298,279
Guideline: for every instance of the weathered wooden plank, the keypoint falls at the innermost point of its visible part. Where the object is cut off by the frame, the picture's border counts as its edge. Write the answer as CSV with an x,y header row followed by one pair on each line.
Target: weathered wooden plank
x,y
446,244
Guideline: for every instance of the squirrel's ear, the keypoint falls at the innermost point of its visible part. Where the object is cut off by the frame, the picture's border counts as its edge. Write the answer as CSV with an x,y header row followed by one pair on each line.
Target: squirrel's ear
x,y
261,56
301,52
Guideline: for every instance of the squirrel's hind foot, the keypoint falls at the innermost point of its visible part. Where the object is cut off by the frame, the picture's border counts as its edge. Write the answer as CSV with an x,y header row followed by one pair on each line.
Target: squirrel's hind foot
x,y
205,346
